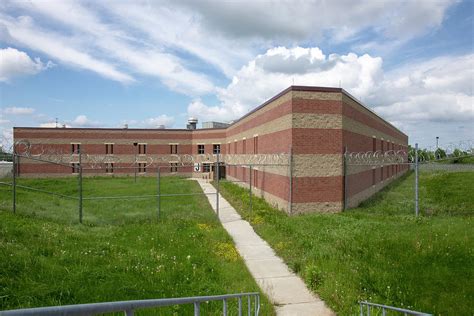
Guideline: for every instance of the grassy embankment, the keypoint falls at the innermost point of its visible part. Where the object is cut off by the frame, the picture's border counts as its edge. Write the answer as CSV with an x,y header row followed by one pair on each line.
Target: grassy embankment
x,y
379,251
121,252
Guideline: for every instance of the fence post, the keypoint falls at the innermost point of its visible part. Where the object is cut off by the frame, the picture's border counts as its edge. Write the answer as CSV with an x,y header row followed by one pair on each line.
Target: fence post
x,y
345,178
14,167
290,193
196,309
80,186
250,187
159,191
416,180
217,186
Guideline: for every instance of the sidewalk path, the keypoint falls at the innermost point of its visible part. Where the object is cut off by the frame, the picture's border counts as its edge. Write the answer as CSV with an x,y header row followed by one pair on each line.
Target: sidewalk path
x,y
286,290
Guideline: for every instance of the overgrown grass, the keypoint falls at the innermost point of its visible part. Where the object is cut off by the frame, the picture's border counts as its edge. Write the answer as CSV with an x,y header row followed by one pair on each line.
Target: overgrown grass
x,y
380,252
458,160
122,252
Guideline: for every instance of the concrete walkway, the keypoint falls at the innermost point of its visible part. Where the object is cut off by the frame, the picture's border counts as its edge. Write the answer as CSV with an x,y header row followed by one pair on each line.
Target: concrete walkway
x,y
286,290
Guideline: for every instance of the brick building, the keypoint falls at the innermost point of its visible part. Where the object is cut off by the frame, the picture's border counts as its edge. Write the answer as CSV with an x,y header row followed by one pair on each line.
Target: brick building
x,y
310,127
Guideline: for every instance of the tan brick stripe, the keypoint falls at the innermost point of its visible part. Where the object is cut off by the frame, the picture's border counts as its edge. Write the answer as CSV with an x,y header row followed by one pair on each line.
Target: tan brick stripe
x,y
317,165
317,207
277,102
279,124
370,118
359,128
317,120
316,95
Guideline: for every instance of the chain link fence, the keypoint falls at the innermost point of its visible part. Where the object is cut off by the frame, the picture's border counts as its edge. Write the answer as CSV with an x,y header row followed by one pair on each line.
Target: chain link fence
x,y
366,173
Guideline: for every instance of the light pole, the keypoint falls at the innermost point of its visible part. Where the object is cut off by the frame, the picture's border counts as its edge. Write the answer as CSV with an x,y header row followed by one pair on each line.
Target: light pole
x,y
437,147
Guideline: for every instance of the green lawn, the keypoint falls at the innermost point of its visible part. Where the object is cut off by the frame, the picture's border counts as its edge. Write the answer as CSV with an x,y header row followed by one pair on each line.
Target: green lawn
x,y
121,252
380,252
459,160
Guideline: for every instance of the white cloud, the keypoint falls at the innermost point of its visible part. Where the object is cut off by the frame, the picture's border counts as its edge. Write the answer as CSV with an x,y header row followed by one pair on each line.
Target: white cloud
x,y
13,110
82,121
50,124
154,122
308,19
108,45
25,31
436,91
280,67
440,89
15,63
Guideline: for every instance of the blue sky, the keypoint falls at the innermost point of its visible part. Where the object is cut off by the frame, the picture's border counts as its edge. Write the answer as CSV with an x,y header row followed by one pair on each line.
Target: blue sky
x,y
147,63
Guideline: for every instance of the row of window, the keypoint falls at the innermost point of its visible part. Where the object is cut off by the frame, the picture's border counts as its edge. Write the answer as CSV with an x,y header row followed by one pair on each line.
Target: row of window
x,y
109,167
244,146
142,148
384,145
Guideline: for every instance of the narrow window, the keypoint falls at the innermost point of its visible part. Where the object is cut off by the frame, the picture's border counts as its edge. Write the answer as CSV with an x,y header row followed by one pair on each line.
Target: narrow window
x,y
206,167
200,149
109,149
244,146
141,149
75,148
216,149
235,146
141,167
255,144
373,176
374,144
174,167
75,167
109,167
173,149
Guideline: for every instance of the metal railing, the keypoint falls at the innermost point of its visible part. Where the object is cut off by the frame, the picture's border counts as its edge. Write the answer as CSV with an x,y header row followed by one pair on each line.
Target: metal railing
x,y
129,307
367,307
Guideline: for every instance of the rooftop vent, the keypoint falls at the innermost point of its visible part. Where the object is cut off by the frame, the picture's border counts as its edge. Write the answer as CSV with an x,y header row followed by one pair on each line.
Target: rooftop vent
x,y
125,126
192,123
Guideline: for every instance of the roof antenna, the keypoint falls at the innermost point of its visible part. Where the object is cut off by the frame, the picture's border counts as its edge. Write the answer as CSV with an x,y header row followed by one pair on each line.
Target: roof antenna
x,y
56,122
293,80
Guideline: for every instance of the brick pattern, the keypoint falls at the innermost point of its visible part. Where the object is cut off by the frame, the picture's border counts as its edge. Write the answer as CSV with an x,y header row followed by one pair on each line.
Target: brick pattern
x,y
316,123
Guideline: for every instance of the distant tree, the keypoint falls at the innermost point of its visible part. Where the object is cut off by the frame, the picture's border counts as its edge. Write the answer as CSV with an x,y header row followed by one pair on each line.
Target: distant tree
x,y
440,153
458,153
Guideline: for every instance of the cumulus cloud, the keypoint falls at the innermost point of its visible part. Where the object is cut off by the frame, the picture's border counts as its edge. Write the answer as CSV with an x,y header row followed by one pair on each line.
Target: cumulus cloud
x,y
51,124
13,110
82,121
280,67
15,63
174,40
438,90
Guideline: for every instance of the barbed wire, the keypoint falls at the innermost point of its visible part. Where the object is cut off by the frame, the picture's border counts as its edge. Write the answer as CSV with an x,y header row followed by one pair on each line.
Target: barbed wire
x,y
451,151
376,157
47,153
